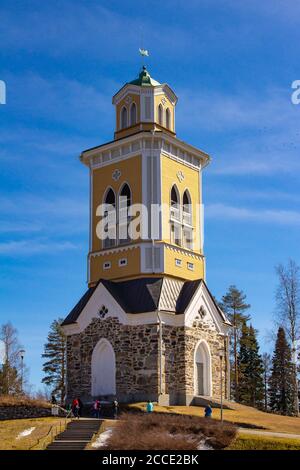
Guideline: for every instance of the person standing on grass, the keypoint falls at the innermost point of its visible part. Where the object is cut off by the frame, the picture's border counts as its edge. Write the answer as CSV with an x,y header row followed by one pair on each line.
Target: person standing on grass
x,y
208,411
149,406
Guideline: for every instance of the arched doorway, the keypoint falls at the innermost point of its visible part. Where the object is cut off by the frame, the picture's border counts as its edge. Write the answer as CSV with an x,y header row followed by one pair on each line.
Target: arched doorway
x,y
202,369
103,369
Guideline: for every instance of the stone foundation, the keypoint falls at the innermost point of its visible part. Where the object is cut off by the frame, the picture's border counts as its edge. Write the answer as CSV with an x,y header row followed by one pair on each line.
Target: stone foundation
x,y
23,411
137,353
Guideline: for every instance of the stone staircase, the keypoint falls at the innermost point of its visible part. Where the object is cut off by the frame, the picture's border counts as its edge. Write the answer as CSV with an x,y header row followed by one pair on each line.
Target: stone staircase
x,y
77,435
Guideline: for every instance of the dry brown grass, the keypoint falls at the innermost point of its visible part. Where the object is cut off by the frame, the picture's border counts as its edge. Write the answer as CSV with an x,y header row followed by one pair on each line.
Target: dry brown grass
x,y
8,400
240,414
10,429
168,432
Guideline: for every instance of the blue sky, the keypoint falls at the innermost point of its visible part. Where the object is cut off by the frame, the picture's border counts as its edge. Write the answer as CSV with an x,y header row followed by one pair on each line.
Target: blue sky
x,y
230,62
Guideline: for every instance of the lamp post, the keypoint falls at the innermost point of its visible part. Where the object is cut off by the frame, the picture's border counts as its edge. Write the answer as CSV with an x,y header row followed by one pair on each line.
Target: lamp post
x,y
22,353
221,354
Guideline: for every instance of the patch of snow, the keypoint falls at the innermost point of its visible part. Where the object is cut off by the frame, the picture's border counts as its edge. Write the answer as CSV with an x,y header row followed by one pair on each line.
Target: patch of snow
x,y
102,439
25,433
203,445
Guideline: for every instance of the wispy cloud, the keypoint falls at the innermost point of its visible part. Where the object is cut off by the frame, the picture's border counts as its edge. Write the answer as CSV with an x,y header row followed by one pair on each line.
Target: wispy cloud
x,y
84,30
227,212
34,247
61,100
13,227
264,135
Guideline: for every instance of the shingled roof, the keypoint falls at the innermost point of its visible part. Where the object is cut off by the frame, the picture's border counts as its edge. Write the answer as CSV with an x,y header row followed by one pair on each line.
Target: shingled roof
x,y
144,295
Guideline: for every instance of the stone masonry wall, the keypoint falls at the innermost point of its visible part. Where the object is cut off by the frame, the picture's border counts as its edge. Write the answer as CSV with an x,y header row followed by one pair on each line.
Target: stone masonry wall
x,y
138,359
179,349
215,342
23,411
136,352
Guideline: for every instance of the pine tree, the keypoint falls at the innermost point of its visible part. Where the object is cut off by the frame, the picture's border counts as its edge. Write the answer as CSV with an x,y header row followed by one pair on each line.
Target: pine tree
x,y
233,304
55,367
282,380
251,387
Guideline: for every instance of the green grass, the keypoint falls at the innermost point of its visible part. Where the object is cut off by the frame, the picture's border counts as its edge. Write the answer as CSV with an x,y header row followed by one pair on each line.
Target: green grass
x,y
251,442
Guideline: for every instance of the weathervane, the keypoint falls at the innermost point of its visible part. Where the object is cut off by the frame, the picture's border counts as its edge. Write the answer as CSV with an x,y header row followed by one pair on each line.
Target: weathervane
x,y
144,52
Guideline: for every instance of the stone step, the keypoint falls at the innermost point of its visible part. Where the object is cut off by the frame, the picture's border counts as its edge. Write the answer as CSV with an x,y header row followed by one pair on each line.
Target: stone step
x,y
76,436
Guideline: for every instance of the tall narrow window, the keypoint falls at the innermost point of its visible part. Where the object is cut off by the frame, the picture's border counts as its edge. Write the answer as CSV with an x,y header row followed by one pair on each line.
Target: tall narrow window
x,y
187,208
175,208
168,119
124,204
175,222
176,233
124,118
187,220
133,114
110,214
160,115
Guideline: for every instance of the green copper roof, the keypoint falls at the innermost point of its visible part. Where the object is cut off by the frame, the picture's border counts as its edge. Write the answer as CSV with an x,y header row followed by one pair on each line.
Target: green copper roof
x,y
144,79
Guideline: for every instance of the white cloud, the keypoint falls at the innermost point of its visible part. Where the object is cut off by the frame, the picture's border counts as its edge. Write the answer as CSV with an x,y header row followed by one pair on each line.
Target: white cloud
x,y
34,247
276,216
13,227
263,129
83,30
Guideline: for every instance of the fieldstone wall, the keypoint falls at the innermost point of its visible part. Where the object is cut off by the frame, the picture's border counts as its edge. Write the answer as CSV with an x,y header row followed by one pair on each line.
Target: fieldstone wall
x,y
23,411
136,352
216,343
179,344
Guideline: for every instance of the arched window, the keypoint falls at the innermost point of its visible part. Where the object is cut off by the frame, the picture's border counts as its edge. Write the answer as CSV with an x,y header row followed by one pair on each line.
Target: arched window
x,y
168,119
133,114
124,119
175,223
110,213
174,196
187,220
124,219
187,207
125,196
110,198
160,115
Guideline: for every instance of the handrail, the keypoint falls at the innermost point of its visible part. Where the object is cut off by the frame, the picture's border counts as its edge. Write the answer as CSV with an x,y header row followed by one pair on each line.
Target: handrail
x,y
50,433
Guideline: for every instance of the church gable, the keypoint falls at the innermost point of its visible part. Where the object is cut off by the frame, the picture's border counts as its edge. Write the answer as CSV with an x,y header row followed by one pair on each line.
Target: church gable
x,y
203,309
97,302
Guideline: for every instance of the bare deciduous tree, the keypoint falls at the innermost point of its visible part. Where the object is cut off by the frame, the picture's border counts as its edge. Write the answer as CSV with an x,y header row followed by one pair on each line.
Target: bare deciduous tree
x,y
10,373
267,362
288,310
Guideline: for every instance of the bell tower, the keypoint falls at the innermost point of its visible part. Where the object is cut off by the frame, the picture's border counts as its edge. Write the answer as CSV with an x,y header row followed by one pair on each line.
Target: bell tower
x,y
144,105
149,180
147,327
